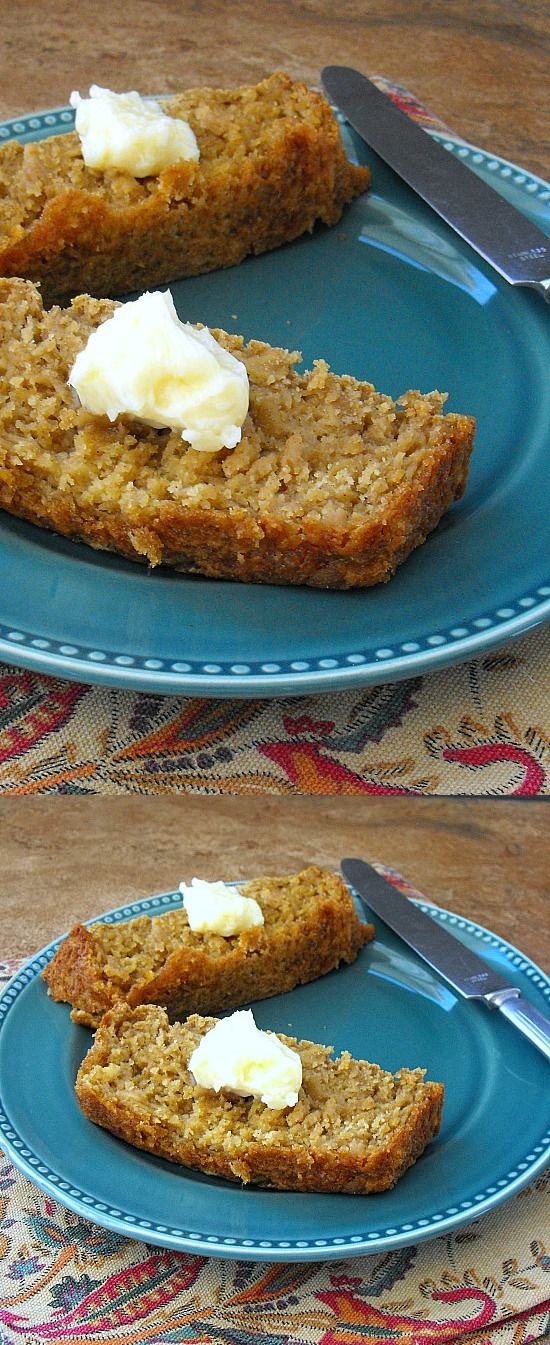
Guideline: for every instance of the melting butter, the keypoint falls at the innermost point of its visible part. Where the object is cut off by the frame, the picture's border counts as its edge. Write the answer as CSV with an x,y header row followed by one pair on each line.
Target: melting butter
x,y
236,1055
146,363
216,908
133,134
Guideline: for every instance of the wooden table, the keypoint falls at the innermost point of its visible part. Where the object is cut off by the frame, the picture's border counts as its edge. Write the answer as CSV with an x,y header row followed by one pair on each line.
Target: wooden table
x,y
482,68
70,859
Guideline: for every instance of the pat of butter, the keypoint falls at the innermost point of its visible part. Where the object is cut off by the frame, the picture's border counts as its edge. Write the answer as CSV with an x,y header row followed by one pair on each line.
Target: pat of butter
x,y
236,1055
215,908
145,362
125,131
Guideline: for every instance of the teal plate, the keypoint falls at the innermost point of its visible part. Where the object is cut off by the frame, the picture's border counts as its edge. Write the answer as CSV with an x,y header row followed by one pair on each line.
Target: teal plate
x,y
389,1007
390,295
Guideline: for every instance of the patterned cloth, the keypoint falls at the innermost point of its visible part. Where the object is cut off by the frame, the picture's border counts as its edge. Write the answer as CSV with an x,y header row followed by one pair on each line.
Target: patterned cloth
x,y
478,728
64,1279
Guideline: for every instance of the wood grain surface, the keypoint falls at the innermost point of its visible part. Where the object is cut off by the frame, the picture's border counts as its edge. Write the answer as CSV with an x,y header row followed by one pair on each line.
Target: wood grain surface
x,y
70,859
482,68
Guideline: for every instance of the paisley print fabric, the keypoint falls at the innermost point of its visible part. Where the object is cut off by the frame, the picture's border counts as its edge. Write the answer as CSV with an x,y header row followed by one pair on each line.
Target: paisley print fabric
x,y
63,1279
480,728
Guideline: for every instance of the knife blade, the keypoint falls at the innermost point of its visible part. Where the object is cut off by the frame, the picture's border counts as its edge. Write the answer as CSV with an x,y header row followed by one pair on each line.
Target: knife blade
x,y
514,246
464,970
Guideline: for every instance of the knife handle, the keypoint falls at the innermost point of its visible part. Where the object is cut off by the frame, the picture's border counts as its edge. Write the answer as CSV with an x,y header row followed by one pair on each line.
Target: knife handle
x,y
524,1016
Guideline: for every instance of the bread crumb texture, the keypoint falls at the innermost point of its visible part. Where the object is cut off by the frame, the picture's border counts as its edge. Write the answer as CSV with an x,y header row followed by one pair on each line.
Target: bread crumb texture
x,y
310,926
332,485
356,1128
271,165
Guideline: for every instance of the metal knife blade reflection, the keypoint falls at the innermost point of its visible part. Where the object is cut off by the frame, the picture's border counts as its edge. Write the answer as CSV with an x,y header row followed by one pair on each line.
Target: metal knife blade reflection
x,y
514,246
462,968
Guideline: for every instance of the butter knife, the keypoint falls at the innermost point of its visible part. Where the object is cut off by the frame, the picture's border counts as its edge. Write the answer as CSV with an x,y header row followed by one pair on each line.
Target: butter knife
x,y
514,246
465,971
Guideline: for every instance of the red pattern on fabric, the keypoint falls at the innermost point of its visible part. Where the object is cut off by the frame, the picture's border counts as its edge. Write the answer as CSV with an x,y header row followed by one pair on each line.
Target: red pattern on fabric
x,y
310,769
39,714
489,753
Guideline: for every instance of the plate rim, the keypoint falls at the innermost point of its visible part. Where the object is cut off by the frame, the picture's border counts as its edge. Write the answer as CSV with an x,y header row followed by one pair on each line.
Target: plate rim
x,y
405,1234
352,671
254,678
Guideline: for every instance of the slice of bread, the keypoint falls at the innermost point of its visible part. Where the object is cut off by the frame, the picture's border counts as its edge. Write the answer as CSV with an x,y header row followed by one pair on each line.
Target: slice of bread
x,y
310,926
333,484
356,1128
271,165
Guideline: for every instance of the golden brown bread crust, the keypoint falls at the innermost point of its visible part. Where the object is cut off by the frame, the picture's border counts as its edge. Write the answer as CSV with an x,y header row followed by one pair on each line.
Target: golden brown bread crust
x,y
311,925
332,485
75,975
355,1129
271,165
